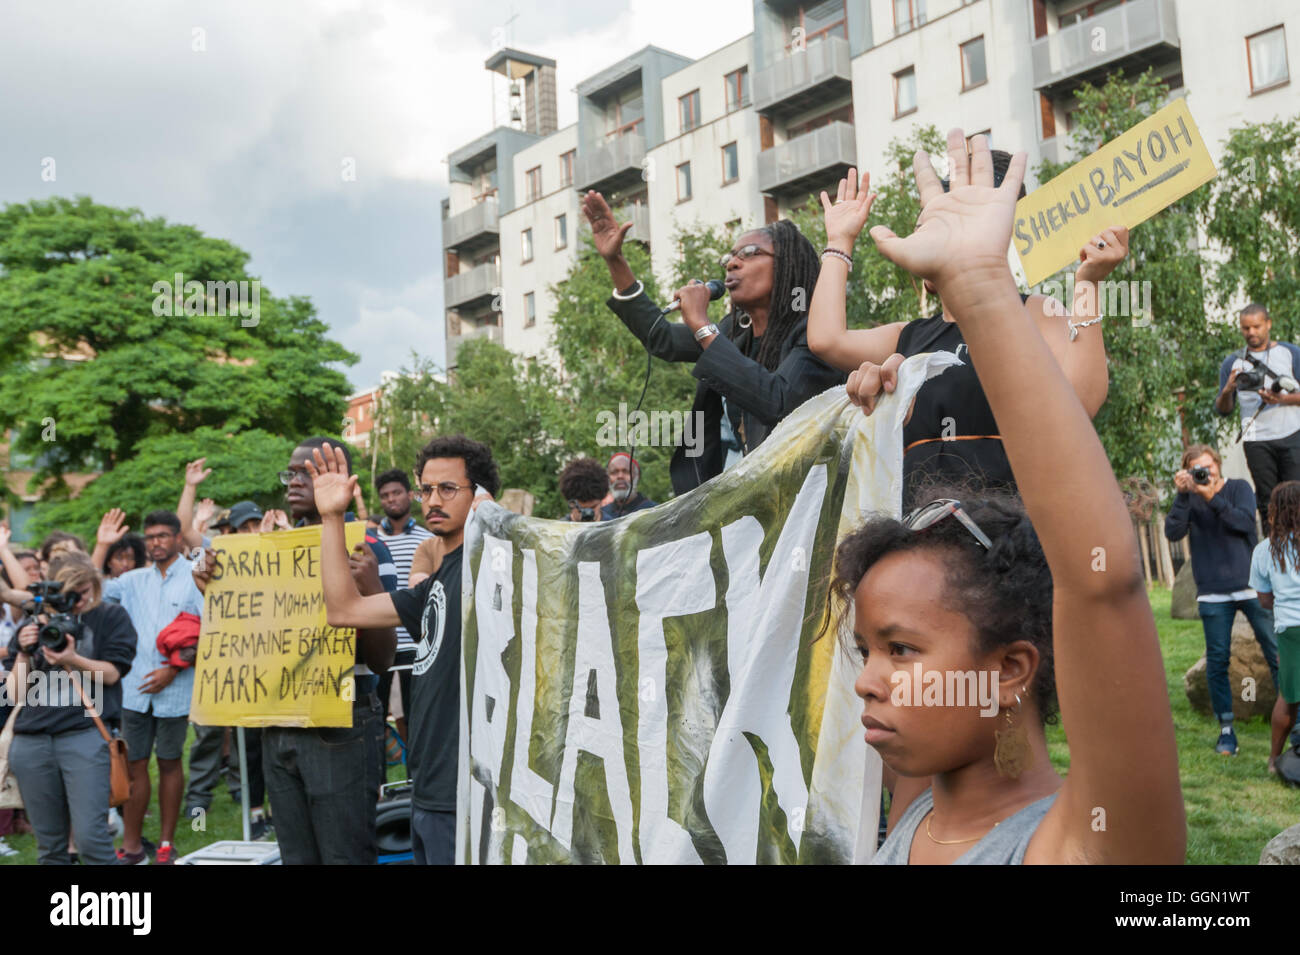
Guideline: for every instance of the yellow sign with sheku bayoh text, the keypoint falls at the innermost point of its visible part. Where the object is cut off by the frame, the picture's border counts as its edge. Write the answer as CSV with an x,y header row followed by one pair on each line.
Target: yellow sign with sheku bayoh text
x,y
1124,183
266,656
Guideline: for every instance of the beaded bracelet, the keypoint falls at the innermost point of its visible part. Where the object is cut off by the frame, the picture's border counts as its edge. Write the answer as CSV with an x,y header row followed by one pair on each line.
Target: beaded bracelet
x,y
843,257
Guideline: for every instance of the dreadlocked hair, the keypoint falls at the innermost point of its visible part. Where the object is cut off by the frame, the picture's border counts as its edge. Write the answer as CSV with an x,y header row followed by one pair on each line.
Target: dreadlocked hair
x,y
795,265
1284,523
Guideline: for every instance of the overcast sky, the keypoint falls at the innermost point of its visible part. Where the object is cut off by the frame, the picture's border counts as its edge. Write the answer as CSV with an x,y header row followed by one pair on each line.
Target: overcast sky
x,y
246,138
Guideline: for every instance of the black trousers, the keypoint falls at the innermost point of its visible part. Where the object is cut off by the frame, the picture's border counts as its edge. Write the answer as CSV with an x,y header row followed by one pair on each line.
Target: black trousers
x,y
1271,463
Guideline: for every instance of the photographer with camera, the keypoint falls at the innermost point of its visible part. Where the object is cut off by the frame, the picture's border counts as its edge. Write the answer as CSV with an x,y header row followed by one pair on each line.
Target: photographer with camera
x,y
1219,515
583,485
1261,380
58,756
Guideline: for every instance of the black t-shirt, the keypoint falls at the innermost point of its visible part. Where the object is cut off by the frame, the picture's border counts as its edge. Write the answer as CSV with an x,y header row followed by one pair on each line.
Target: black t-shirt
x,y
430,612
108,635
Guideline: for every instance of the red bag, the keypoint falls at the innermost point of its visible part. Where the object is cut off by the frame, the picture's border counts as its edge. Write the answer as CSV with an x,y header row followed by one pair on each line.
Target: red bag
x,y
179,639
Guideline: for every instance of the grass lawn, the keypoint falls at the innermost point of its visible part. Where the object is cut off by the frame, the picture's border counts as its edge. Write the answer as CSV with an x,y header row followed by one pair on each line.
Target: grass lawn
x,y
1233,805
222,820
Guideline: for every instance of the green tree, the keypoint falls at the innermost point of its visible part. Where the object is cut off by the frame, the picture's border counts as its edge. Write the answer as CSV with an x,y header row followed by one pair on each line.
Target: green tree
x,y
1163,366
84,349
1253,215
244,467
604,365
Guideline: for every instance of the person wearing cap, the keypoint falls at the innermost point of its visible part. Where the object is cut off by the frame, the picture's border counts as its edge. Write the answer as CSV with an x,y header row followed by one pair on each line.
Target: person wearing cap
x,y
245,518
624,475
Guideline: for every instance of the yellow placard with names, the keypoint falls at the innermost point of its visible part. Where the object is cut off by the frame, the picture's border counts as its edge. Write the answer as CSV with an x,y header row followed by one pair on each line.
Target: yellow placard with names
x,y
266,656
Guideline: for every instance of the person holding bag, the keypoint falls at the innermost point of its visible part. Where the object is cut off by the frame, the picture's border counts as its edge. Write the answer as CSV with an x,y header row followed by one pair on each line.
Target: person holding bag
x,y
62,753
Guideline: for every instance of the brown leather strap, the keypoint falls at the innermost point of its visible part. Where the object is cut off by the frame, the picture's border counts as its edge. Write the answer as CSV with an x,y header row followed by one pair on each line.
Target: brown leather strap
x,y
956,437
93,715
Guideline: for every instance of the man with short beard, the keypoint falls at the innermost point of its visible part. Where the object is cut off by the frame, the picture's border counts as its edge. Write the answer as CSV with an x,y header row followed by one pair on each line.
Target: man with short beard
x,y
624,476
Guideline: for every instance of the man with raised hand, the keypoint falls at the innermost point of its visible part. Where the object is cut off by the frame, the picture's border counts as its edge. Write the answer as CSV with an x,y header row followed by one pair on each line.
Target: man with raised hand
x,y
449,469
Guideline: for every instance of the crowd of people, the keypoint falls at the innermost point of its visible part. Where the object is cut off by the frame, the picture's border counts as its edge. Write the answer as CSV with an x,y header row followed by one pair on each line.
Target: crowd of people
x,y
983,573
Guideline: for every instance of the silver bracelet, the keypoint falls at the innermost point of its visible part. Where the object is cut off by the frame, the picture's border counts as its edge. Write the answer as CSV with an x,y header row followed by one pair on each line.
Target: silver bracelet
x,y
706,331
627,298
1075,326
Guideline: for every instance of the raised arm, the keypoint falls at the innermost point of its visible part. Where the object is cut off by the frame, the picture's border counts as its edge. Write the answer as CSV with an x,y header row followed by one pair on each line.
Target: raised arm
x,y
195,474
111,530
17,576
1123,758
829,336
345,606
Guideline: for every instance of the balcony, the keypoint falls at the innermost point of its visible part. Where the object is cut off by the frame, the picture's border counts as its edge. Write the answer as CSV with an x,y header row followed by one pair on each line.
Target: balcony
x,y
476,226
809,162
803,79
639,214
490,332
1140,33
472,287
614,164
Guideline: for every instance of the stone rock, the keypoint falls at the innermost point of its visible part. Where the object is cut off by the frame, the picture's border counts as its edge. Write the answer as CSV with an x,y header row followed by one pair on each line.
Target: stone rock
x,y
1182,605
1283,848
1246,661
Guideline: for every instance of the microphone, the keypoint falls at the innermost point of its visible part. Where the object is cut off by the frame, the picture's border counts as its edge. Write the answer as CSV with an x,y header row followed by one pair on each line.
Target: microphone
x,y
716,291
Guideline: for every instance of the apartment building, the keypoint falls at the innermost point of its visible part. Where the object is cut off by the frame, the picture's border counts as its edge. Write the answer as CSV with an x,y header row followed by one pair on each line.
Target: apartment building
x,y
739,137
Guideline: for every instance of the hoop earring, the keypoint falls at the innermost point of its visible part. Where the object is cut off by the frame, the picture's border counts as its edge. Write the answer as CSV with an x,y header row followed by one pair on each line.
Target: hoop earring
x,y
1012,755
744,321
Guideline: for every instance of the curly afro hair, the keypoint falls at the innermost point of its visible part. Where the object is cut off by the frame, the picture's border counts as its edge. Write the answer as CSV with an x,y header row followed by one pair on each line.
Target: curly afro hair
x,y
1005,592
584,479
479,465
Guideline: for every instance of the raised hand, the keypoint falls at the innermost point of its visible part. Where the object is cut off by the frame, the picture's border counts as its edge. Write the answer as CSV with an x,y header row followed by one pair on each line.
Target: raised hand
x,y
1102,253
606,233
195,473
331,482
111,529
274,520
846,216
5,534
965,229
204,511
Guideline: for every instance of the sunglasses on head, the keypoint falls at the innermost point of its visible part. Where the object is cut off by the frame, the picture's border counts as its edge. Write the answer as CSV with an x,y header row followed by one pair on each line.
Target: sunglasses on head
x,y
927,515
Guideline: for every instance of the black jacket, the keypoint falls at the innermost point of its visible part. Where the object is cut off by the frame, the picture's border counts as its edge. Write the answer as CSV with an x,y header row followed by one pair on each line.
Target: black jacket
x,y
757,399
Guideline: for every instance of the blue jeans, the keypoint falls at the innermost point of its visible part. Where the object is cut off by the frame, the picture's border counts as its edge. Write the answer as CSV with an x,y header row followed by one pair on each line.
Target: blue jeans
x,y
323,784
1216,620
433,837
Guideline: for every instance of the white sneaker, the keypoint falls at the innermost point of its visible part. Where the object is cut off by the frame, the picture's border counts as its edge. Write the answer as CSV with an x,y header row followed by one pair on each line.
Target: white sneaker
x,y
7,850
115,826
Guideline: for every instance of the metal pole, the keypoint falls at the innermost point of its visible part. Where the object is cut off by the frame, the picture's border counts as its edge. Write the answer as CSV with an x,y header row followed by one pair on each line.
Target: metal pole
x,y
243,782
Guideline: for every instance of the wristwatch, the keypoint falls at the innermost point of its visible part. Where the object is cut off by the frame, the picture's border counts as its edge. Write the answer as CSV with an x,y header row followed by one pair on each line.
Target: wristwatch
x,y
706,331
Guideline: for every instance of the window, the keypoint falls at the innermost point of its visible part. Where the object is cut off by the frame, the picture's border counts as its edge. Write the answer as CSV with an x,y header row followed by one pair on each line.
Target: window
x,y
624,113
484,181
1266,60
973,70
683,182
730,163
530,310
688,110
816,20
1048,115
566,168
905,92
533,183
561,231
737,87
841,114
1085,12
908,15
526,244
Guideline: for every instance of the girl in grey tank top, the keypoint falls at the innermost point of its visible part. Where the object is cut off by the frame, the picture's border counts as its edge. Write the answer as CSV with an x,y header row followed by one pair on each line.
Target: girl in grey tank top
x,y
1004,844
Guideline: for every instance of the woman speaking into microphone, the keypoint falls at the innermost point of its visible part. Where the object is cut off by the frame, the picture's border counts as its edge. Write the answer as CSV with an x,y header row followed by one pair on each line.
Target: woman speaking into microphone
x,y
754,367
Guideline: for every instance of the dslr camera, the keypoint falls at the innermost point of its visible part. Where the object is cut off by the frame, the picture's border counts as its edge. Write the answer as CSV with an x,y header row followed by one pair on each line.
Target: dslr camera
x,y
1201,475
1252,379
49,599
